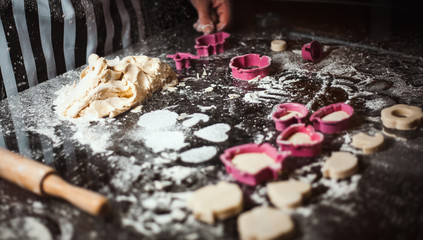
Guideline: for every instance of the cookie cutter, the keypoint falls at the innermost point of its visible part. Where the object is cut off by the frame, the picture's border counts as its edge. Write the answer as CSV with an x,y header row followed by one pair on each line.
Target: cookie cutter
x,y
301,149
312,51
249,66
287,114
211,44
182,60
332,126
267,173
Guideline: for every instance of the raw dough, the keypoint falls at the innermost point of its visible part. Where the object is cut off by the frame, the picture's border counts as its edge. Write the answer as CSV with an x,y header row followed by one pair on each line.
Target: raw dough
x,y
369,144
111,87
290,114
402,117
278,45
340,165
288,194
300,138
263,223
252,162
219,201
335,116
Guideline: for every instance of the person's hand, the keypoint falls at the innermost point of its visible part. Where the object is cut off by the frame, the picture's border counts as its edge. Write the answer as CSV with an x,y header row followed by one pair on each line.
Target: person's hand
x,y
213,15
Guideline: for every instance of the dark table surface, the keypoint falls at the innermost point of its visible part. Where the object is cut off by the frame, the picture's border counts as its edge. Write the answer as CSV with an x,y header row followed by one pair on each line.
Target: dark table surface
x,y
148,182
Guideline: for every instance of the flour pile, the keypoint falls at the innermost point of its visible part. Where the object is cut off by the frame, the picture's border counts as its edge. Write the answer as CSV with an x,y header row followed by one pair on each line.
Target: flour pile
x,y
111,87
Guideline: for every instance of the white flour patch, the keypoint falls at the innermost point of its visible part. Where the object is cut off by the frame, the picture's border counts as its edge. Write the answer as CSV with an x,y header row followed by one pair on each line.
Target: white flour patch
x,y
195,119
162,140
198,155
214,133
161,119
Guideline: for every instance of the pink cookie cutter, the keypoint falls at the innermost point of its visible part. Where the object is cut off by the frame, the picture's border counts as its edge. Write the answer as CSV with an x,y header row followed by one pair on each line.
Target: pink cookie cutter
x,y
284,117
182,60
312,51
310,149
332,126
270,172
211,44
249,66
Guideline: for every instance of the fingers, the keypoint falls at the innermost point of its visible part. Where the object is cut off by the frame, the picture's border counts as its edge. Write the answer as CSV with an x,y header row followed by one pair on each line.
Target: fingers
x,y
223,10
204,23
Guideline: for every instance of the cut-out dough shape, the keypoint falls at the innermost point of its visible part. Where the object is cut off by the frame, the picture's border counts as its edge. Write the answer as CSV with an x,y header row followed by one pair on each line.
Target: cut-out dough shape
x,y
369,144
252,162
291,114
336,116
288,194
219,201
300,138
340,165
402,117
278,45
264,223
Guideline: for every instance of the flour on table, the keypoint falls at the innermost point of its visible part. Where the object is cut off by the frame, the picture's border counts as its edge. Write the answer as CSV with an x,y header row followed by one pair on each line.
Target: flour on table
x,y
195,119
198,155
214,133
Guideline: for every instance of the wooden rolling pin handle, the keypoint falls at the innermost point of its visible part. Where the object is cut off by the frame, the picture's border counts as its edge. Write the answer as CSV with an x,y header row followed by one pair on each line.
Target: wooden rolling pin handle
x,y
84,199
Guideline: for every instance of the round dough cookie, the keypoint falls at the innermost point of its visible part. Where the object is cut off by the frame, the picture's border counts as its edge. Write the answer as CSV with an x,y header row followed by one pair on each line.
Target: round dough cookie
x,y
402,117
263,223
288,194
340,165
218,201
278,45
290,114
300,138
369,144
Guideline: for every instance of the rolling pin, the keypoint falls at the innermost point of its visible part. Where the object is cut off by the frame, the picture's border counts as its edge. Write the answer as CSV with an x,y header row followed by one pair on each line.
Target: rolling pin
x,y
44,181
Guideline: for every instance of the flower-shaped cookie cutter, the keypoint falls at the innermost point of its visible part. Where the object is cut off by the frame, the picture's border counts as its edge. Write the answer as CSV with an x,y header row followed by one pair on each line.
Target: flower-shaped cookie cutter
x,y
312,51
211,44
182,60
332,126
249,66
267,173
310,148
289,113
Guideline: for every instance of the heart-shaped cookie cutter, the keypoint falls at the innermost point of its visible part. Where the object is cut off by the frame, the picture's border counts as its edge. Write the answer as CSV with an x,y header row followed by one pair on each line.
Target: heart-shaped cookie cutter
x,y
211,44
182,60
332,126
249,66
289,113
310,149
267,173
312,51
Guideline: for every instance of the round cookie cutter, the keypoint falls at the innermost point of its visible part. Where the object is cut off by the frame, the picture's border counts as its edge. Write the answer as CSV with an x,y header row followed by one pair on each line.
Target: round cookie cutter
x,y
211,44
270,172
303,149
312,51
249,66
332,126
285,109
182,60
